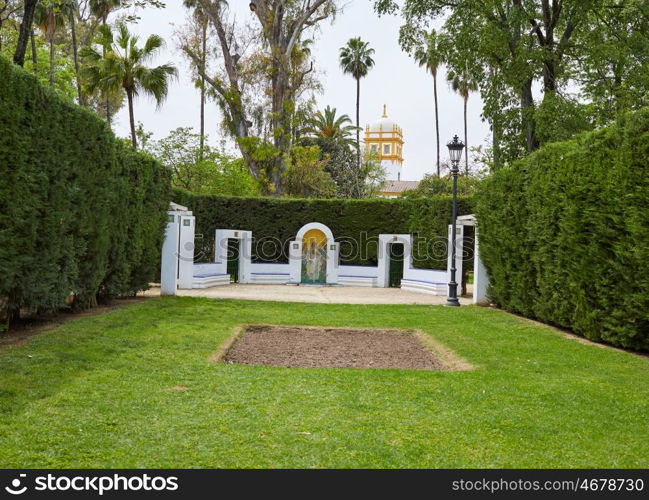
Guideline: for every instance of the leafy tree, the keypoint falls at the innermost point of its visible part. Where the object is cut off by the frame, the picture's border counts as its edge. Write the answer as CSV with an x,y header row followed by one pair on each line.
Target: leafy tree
x,y
356,60
429,56
198,168
124,67
371,177
280,60
508,45
49,16
306,176
64,73
8,11
432,185
342,166
614,72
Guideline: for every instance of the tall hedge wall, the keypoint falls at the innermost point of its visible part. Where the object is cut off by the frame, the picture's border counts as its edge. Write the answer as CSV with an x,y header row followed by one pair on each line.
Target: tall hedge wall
x,y
356,224
564,234
80,212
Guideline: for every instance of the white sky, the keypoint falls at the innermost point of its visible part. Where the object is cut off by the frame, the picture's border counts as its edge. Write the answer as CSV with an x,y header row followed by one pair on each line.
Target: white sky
x,y
396,80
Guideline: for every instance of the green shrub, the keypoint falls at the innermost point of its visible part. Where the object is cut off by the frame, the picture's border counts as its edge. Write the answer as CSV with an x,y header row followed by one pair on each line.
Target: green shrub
x,y
80,212
356,224
564,234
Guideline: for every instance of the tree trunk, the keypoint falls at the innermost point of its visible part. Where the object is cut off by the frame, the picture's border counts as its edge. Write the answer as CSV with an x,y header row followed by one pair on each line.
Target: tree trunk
x,y
549,76
75,53
34,54
203,64
436,122
229,95
129,95
495,143
52,61
281,124
25,30
107,103
527,115
466,141
358,124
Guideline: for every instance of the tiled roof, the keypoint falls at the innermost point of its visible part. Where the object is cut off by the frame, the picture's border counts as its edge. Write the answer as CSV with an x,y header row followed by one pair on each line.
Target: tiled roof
x,y
398,186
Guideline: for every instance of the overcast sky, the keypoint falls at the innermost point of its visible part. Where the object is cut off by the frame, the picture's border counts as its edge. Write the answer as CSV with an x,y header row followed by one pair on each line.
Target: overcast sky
x,y
396,80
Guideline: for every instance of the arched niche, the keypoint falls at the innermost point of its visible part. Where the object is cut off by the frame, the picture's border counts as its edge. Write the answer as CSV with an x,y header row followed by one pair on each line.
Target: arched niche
x,y
313,256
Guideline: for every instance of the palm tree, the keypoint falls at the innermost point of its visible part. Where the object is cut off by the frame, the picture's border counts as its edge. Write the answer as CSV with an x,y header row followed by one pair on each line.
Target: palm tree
x,y
73,13
101,9
48,17
356,60
431,58
463,84
202,20
331,128
123,67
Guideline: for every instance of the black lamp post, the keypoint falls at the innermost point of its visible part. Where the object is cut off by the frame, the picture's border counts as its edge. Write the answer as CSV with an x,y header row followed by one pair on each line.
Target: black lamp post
x,y
455,148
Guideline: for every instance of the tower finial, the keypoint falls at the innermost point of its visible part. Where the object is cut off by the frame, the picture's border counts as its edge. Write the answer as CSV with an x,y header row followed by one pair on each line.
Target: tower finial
x,y
385,111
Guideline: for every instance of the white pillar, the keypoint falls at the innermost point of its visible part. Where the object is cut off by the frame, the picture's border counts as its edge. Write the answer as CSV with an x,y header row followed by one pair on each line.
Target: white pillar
x,y
332,262
186,252
383,261
480,278
295,261
245,257
169,263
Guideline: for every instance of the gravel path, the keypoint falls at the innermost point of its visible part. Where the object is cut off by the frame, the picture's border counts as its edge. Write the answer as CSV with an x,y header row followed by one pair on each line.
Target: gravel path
x,y
317,294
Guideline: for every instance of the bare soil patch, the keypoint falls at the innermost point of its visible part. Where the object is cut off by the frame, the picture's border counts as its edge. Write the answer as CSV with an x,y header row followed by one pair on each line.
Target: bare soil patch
x,y
310,347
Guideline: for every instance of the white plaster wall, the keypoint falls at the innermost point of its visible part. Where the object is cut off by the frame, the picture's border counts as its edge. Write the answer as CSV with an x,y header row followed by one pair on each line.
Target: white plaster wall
x,y
392,170
267,273
186,252
383,277
169,262
358,275
295,261
270,268
221,237
358,271
207,269
480,278
426,275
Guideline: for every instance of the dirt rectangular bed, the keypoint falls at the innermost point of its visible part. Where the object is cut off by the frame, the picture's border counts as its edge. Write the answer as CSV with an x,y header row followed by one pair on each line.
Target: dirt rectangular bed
x,y
296,346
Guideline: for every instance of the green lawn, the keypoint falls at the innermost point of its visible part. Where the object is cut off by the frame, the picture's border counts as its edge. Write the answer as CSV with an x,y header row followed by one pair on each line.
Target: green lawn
x,y
96,392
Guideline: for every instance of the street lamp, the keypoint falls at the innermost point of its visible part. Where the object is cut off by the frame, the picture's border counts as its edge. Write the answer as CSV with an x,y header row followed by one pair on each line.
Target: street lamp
x,y
455,148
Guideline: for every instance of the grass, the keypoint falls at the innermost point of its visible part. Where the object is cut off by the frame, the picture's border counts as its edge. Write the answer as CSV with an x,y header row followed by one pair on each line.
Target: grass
x,y
98,392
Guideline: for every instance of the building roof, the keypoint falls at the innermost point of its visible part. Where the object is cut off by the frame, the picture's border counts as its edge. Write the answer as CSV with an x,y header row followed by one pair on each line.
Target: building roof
x,y
384,124
399,186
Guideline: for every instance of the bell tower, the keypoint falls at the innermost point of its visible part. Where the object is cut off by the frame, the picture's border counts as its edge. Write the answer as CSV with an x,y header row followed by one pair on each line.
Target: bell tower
x,y
385,139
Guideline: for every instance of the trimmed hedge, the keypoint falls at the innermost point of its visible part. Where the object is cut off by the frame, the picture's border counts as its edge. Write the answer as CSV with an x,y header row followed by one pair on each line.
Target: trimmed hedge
x,y
356,224
80,212
564,234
